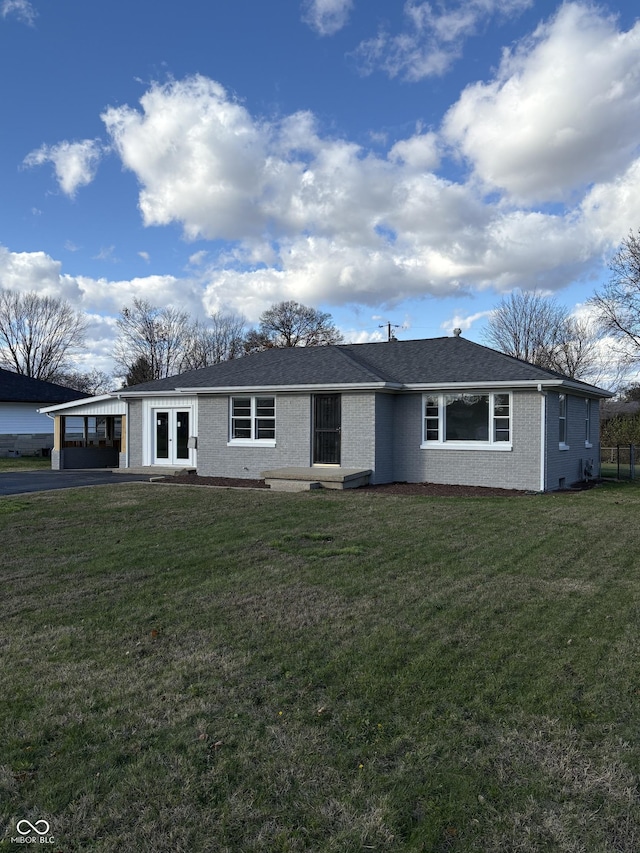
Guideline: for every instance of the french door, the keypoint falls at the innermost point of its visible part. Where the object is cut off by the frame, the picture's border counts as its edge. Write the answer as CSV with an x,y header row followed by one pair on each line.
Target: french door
x,y
327,422
171,436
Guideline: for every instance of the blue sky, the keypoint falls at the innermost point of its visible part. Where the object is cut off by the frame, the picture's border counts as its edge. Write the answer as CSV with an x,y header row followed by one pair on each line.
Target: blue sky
x,y
384,161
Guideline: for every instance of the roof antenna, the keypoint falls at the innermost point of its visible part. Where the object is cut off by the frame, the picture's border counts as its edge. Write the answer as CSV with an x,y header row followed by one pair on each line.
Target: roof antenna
x,y
457,333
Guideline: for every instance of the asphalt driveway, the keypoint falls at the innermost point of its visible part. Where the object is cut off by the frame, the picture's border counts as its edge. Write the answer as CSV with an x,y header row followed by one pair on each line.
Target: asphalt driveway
x,y
40,481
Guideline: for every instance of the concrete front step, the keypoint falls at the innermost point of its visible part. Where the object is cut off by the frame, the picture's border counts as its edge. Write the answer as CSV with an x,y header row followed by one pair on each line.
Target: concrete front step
x,y
303,479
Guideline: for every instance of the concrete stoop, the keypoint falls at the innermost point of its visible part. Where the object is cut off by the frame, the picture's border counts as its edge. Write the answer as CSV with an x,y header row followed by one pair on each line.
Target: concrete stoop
x,y
305,479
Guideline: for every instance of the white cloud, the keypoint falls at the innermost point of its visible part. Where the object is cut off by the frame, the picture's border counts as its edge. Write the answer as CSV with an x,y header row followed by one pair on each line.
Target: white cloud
x,y
324,221
21,9
198,258
326,17
75,163
561,112
419,152
320,219
197,153
610,208
106,253
463,321
433,38
39,272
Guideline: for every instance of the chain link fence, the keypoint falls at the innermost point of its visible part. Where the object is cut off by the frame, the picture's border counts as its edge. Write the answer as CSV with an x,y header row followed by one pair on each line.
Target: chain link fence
x,y
618,461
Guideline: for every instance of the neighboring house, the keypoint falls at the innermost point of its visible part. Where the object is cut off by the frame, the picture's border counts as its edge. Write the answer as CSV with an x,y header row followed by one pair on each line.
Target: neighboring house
x,y
23,429
443,410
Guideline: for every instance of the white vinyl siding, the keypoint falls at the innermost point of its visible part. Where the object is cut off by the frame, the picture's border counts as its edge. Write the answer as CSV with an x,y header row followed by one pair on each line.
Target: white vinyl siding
x,y
24,419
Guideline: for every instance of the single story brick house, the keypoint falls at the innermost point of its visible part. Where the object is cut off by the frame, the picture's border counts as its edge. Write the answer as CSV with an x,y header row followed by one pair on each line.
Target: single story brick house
x,y
442,410
23,428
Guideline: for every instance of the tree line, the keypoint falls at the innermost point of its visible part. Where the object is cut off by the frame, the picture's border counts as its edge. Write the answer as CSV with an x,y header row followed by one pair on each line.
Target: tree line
x,y
538,329
40,334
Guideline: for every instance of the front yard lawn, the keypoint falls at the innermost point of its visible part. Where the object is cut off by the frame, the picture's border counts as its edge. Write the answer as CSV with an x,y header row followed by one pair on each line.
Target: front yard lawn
x,y
186,669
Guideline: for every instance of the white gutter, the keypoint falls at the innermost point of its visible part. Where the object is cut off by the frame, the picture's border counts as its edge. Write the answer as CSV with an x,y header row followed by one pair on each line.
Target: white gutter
x,y
263,389
587,390
528,384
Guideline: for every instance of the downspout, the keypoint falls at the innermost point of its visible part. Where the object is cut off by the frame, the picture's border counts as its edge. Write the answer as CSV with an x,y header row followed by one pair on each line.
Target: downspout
x,y
543,435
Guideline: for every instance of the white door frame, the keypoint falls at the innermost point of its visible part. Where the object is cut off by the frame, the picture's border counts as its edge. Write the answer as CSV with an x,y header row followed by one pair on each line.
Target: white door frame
x,y
177,437
175,450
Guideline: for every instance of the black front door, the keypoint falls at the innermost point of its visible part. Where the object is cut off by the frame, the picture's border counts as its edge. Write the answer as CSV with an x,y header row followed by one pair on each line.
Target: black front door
x,y
326,429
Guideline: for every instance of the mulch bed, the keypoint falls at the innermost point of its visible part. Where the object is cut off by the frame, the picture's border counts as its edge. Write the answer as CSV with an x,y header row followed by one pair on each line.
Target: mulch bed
x,y
424,489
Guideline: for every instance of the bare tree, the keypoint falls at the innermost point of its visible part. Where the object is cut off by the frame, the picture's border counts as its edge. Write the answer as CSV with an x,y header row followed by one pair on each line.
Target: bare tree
x,y
524,325
92,383
575,350
156,335
539,330
290,324
617,305
38,334
220,338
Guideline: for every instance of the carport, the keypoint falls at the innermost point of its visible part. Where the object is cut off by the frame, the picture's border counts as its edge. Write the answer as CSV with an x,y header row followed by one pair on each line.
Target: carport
x,y
89,435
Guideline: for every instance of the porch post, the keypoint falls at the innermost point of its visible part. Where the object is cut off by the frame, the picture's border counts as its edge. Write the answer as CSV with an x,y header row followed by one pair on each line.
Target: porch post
x,y
124,455
58,430
58,438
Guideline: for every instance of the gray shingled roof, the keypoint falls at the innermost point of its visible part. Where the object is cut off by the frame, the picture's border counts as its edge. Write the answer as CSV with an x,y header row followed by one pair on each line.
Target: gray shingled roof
x,y
430,361
15,388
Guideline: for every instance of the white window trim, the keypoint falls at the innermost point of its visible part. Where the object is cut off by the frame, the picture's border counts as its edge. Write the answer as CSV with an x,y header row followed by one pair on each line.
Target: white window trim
x,y
492,445
250,442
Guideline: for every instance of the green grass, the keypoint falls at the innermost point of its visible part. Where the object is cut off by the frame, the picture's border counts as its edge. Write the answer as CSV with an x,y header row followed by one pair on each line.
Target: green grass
x,y
23,463
187,669
610,469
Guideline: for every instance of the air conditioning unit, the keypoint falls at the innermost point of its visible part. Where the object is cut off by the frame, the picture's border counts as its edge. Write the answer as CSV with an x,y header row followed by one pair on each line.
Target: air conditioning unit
x,y
587,468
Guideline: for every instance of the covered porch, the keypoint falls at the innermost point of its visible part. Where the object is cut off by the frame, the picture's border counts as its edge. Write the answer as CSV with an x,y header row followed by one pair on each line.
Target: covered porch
x,y
89,435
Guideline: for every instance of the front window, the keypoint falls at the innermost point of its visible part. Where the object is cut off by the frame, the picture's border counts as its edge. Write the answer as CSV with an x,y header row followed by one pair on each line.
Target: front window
x,y
253,419
481,419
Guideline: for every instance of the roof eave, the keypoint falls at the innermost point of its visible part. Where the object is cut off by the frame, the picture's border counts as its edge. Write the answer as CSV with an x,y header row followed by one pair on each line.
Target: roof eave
x,y
81,400
528,384
272,388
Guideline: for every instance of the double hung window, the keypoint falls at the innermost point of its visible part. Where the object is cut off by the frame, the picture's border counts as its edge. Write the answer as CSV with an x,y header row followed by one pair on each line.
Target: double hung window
x,y
587,423
253,419
562,419
477,420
